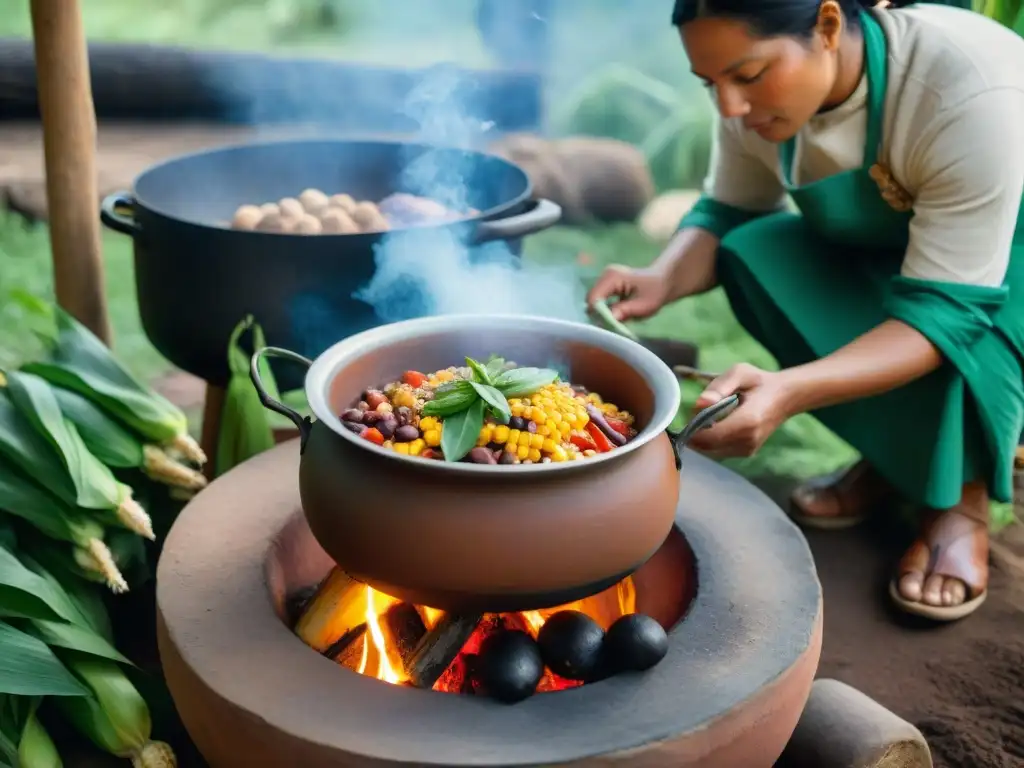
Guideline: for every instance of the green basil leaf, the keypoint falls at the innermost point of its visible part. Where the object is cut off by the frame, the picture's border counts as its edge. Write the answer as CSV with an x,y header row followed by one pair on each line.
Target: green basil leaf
x,y
480,373
450,403
524,381
499,405
461,431
495,365
459,385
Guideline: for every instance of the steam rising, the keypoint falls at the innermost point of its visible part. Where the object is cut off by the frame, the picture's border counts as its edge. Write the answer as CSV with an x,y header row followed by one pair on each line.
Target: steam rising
x,y
431,271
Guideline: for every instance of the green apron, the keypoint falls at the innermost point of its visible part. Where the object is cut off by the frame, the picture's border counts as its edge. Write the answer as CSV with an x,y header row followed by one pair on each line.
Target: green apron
x,y
806,284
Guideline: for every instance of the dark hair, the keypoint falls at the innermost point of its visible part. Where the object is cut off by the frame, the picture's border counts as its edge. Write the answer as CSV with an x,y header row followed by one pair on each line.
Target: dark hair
x,y
772,18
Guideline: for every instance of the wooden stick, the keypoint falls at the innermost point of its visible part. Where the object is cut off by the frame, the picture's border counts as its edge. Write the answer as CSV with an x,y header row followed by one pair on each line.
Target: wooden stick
x,y
693,374
69,145
213,411
439,647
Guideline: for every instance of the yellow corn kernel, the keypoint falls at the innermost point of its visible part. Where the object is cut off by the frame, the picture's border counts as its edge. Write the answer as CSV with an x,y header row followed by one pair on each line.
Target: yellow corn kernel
x,y
524,439
514,401
590,452
549,445
403,397
594,398
416,446
433,382
517,409
555,417
402,448
533,455
445,375
523,452
527,412
513,437
384,408
536,441
539,416
485,434
610,409
559,454
571,419
432,437
387,444
544,429
429,422
582,420
501,433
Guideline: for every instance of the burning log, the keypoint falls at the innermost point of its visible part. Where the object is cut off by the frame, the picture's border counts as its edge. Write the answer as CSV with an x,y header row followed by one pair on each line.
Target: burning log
x,y
403,629
438,648
338,606
345,650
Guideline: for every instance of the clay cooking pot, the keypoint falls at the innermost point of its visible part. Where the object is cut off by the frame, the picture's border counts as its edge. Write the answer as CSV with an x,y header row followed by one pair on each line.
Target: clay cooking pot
x,y
470,537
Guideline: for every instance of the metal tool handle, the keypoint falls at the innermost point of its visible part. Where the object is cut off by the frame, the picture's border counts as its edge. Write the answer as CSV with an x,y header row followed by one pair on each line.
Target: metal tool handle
x,y
302,423
703,419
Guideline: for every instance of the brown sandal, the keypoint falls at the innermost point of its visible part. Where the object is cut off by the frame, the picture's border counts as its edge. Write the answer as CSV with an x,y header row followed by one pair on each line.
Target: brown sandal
x,y
963,556
838,484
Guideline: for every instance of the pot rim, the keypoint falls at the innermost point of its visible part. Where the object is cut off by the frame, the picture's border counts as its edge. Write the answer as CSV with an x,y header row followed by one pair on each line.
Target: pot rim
x,y
651,368
493,213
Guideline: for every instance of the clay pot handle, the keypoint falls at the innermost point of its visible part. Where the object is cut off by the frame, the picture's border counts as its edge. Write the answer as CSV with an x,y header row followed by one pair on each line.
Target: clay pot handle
x,y
702,420
302,423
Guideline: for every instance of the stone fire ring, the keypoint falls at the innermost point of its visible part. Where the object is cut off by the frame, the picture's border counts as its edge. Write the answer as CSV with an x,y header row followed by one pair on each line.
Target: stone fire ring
x,y
729,692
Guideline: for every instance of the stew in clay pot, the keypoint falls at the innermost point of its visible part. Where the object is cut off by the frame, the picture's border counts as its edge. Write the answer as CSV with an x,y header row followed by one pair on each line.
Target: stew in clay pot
x,y
462,532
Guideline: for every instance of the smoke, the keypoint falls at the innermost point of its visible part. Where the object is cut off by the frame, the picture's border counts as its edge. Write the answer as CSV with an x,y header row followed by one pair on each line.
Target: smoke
x,y
434,271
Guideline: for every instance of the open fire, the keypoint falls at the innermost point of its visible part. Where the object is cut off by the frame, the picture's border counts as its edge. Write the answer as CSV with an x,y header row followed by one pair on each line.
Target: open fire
x,y
377,635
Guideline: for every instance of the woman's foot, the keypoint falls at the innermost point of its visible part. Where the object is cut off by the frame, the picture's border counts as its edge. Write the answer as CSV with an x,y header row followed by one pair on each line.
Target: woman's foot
x,y
839,500
944,573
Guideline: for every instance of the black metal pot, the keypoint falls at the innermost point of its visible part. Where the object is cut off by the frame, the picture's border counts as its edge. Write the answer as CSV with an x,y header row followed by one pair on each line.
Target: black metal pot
x,y
196,279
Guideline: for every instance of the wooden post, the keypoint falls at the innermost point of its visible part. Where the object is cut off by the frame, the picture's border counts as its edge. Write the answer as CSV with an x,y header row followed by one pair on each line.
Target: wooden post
x,y
69,144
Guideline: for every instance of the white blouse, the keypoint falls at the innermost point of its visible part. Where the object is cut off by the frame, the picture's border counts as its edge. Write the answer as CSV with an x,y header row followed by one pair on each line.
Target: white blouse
x,y
953,138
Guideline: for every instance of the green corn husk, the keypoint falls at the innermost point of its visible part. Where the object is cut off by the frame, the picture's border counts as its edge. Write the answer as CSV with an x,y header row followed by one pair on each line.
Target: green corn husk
x,y
115,446
81,362
114,717
22,498
24,743
74,474
245,429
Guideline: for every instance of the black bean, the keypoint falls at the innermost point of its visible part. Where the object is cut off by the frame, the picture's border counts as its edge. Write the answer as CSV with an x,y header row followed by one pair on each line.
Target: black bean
x,y
352,414
508,457
404,415
387,428
481,456
354,427
406,434
372,417
517,422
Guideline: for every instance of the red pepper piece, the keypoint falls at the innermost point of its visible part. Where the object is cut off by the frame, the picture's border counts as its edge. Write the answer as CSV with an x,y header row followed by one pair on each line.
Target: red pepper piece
x,y
601,441
373,435
583,442
618,425
414,379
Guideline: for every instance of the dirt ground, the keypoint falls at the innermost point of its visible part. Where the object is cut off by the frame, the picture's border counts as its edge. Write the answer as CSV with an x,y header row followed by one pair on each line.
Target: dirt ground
x,y
961,684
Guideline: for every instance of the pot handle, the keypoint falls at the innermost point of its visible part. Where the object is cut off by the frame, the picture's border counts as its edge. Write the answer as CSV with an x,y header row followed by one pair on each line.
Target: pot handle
x,y
302,423
541,215
111,213
702,420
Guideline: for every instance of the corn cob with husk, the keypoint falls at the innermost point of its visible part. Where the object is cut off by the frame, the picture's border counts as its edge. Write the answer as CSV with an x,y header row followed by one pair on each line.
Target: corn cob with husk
x,y
114,717
245,429
22,498
116,446
81,362
48,447
23,740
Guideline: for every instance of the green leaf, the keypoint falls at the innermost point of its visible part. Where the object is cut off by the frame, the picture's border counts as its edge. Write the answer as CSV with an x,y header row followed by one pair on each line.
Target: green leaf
x,y
24,594
461,431
61,634
85,599
29,668
524,381
451,402
480,373
499,405
21,497
95,485
81,362
29,451
495,365
105,438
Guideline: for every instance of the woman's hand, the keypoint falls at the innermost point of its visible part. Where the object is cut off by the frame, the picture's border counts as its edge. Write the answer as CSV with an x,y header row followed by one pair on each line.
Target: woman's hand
x,y
641,292
764,405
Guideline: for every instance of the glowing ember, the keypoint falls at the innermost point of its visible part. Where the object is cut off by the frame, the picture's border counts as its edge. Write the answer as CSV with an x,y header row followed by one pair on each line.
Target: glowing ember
x,y
376,652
